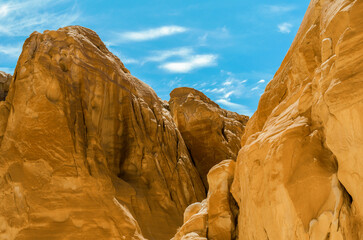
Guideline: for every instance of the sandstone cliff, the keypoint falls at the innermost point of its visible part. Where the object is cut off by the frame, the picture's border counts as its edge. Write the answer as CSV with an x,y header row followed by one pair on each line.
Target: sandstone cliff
x,y
299,173
87,150
5,79
215,217
211,133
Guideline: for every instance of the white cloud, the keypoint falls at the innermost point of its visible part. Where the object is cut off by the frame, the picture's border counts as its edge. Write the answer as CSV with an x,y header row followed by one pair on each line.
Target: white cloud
x,y
20,18
150,34
280,9
194,62
11,50
228,94
254,89
285,27
129,60
159,56
4,10
228,82
241,109
216,90
261,81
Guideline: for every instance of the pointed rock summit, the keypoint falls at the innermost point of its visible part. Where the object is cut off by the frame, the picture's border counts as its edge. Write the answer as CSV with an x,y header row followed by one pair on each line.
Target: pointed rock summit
x,y
211,133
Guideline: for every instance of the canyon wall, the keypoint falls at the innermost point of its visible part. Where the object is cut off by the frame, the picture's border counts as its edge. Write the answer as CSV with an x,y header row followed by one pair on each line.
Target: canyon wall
x,y
87,150
299,172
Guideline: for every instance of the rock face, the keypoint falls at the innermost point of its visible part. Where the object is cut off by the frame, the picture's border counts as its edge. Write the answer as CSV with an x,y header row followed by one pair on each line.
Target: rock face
x,y
211,133
4,84
87,150
213,218
299,173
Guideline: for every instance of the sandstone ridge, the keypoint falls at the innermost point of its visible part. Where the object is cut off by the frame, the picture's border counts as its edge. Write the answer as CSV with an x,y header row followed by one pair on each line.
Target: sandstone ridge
x,y
211,133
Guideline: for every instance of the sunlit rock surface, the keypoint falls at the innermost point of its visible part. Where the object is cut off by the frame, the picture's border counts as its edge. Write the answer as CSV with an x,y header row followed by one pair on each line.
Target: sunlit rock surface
x,y
299,173
215,217
211,133
5,79
87,150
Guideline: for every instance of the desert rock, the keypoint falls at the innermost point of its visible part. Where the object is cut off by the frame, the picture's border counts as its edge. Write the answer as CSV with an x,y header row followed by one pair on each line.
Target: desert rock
x,y
87,150
299,172
211,133
215,217
5,79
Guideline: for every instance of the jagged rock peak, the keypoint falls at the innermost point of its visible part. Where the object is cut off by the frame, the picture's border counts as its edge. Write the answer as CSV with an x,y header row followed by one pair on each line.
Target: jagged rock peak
x,y
211,133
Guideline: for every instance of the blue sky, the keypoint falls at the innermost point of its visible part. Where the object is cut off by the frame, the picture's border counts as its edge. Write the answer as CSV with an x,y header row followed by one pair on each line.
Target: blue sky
x,y
227,49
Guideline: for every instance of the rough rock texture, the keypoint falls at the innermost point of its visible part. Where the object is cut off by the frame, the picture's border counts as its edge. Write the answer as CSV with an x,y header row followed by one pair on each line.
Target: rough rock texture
x,y
86,148
211,133
214,217
299,174
5,79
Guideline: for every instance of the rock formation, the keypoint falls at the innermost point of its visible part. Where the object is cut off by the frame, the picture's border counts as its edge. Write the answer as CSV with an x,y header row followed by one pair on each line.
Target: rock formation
x,y
87,150
214,217
211,133
299,172
4,84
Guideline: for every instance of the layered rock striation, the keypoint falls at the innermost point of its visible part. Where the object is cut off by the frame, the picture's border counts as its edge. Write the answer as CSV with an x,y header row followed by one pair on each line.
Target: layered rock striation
x,y
211,133
87,150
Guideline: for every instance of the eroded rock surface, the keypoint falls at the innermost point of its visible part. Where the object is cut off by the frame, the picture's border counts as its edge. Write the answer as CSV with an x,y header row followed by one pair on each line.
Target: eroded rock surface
x,y
87,150
211,133
5,79
215,217
299,173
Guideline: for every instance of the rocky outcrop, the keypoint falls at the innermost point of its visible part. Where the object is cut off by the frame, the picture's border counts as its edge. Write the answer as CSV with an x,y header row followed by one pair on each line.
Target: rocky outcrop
x,y
5,79
211,133
299,172
214,217
87,150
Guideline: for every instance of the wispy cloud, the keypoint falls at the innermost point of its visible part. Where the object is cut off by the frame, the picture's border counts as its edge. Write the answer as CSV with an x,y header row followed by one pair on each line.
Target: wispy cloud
x,y
242,109
280,8
235,89
11,50
20,18
213,36
159,56
150,34
194,62
285,27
